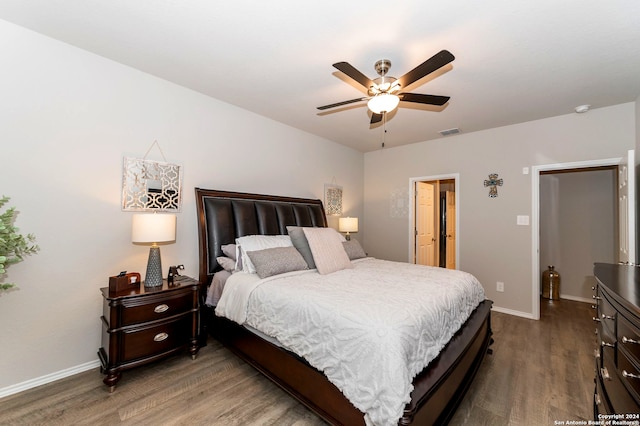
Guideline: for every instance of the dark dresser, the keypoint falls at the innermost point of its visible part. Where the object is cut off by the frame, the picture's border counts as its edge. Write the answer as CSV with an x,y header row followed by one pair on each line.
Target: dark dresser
x,y
617,306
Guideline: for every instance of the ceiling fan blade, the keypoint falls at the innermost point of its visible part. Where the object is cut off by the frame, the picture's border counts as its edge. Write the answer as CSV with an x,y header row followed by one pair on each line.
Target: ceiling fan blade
x,y
432,64
376,118
350,70
424,99
337,104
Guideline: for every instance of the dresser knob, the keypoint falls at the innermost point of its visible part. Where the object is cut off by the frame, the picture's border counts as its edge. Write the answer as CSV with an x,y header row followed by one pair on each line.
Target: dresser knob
x,y
630,375
603,344
596,399
161,308
596,319
625,339
605,373
160,337
596,298
609,317
596,353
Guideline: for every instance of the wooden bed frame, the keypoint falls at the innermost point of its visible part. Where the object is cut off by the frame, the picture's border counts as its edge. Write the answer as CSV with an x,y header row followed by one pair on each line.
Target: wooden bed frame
x,y
438,389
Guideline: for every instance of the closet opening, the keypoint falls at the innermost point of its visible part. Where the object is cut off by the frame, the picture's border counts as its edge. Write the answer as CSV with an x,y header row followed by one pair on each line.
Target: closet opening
x,y
613,197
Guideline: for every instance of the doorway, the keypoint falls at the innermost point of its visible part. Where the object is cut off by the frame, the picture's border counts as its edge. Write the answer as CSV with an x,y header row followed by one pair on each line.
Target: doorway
x,y
626,212
578,226
434,240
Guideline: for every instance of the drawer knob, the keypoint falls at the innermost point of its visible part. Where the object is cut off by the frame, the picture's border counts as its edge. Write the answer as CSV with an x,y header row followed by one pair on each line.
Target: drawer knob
x,y
605,374
160,337
609,317
625,339
596,319
628,375
596,298
596,399
161,308
596,353
603,344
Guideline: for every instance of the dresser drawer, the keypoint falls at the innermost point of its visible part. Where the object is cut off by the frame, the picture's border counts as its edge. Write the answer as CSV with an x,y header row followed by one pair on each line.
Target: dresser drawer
x,y
600,402
614,389
629,338
630,375
607,316
147,341
156,309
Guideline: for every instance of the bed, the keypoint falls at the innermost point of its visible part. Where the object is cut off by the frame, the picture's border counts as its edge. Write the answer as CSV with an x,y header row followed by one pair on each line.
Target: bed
x,y
437,389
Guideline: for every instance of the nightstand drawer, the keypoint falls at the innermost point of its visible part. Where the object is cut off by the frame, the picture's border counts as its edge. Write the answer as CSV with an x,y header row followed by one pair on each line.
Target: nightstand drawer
x,y
143,342
156,309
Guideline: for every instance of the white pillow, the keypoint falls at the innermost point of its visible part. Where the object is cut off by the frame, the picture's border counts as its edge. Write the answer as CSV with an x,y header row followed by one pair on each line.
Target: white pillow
x,y
259,242
327,249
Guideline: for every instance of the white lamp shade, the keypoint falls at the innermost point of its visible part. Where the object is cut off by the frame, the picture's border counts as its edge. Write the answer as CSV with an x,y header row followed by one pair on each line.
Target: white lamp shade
x,y
348,224
384,102
153,228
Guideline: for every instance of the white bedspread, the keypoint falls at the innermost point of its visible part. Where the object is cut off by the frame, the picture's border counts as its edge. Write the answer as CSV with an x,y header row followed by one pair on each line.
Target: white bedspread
x,y
370,329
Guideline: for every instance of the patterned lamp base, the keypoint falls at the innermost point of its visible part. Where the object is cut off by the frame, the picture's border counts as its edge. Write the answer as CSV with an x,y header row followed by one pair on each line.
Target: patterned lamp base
x,y
153,277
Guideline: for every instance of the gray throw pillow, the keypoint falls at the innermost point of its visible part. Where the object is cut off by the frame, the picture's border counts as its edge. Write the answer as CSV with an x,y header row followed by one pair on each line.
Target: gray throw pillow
x,y
300,242
354,250
276,260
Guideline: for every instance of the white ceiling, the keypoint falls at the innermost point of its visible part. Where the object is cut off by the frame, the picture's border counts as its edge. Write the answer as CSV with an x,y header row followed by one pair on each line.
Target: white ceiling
x,y
516,61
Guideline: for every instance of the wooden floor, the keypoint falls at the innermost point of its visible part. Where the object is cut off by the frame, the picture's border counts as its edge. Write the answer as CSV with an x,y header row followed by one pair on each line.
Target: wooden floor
x,y
539,372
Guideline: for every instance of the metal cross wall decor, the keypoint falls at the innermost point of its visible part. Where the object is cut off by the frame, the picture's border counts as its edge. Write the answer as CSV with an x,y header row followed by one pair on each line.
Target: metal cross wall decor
x,y
493,183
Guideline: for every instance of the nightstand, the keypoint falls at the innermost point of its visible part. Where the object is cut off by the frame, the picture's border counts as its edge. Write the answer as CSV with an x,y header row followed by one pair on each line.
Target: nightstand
x,y
146,324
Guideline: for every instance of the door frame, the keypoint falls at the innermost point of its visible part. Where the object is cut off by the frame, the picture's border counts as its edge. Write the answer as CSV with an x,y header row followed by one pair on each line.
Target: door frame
x,y
535,217
412,211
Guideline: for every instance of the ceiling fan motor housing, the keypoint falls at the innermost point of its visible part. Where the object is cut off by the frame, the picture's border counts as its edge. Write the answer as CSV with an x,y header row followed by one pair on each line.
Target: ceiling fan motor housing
x,y
382,67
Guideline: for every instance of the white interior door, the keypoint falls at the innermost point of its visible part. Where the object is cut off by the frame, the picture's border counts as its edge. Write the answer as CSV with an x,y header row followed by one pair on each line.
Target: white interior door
x,y
626,209
426,232
451,230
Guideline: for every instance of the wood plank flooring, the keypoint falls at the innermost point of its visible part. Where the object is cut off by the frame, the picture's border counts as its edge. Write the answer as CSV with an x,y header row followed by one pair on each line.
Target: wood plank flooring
x,y
539,372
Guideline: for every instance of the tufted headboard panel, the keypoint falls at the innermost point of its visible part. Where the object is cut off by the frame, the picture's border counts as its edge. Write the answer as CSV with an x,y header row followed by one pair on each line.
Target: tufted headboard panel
x,y
223,216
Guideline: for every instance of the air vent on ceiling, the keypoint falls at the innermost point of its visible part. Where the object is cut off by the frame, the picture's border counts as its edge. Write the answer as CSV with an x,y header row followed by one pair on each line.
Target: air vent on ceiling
x,y
449,132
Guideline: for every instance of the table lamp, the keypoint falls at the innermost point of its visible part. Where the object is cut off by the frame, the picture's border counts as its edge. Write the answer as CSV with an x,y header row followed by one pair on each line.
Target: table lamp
x,y
153,228
348,224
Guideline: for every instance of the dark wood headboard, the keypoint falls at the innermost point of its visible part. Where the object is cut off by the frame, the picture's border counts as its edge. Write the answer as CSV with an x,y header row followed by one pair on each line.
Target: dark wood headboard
x,y
223,216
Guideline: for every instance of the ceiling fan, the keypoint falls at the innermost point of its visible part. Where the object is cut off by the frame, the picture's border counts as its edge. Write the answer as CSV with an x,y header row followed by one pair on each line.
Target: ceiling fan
x,y
385,92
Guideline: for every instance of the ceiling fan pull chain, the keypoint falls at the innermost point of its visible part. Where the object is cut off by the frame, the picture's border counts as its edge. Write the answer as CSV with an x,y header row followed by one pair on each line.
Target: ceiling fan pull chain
x,y
384,128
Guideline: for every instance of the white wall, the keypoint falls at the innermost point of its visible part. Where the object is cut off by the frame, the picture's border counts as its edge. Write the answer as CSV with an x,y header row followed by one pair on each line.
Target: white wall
x,y
492,246
67,119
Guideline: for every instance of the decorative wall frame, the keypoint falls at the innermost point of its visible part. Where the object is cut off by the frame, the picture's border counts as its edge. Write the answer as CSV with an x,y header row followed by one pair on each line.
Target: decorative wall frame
x,y
332,199
151,185
399,203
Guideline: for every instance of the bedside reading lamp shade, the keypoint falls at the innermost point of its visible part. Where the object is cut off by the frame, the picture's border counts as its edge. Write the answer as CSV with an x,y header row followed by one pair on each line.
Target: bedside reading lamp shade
x,y
348,224
153,228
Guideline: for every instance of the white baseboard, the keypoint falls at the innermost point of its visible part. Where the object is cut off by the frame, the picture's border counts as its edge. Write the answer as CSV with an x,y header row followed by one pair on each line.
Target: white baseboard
x,y
576,298
38,381
527,315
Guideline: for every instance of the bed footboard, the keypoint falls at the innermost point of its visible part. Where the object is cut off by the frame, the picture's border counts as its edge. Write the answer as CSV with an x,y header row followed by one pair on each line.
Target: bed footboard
x,y
438,390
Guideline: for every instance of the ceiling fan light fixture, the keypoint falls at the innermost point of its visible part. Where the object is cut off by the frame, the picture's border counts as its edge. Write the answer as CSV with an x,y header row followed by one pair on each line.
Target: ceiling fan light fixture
x,y
384,102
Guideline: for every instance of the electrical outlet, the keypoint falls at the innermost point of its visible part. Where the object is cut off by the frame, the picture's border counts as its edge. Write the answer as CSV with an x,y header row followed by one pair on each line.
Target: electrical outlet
x,y
500,286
